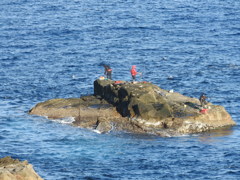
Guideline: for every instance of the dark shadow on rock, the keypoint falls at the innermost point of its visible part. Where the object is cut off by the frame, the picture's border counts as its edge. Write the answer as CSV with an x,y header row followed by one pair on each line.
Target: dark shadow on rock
x,y
158,106
192,105
122,108
136,110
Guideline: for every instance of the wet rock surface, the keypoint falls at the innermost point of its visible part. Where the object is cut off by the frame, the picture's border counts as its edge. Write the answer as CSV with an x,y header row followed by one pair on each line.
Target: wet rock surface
x,y
13,169
139,107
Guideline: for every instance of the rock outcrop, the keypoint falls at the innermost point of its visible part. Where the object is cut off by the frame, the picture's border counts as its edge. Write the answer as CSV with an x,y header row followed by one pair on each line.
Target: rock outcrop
x,y
13,169
139,107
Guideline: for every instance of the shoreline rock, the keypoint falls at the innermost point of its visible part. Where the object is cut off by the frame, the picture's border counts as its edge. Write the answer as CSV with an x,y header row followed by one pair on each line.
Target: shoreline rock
x,y
13,169
139,107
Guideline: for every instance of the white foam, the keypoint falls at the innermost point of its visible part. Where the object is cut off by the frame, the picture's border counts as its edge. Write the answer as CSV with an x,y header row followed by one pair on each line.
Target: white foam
x,y
74,77
67,120
148,123
97,131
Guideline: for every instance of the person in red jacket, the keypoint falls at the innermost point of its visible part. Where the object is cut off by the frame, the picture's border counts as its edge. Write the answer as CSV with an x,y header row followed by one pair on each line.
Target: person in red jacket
x,y
133,72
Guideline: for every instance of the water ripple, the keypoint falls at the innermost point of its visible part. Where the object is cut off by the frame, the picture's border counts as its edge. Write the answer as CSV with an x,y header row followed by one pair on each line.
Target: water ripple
x,y
55,50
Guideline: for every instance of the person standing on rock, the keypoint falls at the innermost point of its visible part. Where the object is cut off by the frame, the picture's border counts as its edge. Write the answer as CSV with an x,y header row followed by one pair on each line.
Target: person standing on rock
x,y
202,100
108,71
133,73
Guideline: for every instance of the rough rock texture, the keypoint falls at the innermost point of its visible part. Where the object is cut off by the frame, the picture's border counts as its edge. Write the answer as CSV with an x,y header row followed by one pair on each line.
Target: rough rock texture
x,y
154,109
13,169
136,107
91,112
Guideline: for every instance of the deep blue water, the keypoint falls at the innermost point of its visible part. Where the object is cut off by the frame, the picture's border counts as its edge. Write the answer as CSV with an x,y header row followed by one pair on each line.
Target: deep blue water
x,y
53,49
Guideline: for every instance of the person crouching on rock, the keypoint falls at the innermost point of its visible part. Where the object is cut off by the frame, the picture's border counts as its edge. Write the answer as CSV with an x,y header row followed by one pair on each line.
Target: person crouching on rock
x,y
203,101
108,71
133,73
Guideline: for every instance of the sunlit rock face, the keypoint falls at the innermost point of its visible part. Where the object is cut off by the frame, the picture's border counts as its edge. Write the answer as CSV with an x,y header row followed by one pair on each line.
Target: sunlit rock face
x,y
13,169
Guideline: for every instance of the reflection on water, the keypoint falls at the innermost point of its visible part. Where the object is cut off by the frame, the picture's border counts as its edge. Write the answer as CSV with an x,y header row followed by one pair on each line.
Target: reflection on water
x,y
214,134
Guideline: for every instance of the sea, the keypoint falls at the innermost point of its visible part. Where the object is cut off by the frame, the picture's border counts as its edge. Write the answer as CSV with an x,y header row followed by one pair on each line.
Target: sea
x,y
56,49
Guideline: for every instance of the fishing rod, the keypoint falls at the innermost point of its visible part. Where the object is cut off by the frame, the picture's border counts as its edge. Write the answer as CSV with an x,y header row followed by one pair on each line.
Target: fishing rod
x,y
79,113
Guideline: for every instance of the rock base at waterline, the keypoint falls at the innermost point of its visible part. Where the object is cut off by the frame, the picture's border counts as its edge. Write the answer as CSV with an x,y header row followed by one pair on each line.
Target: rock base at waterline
x,y
13,169
139,107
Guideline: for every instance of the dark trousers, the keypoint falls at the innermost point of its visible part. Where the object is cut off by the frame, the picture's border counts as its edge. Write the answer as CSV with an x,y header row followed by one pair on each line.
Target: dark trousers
x,y
203,103
133,78
109,75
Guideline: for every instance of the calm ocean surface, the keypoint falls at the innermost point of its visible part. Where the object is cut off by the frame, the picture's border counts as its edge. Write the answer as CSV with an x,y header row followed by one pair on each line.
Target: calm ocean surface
x,y
53,49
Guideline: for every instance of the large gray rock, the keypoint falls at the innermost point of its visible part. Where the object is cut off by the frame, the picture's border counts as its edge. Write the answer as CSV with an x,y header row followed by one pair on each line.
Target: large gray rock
x,y
139,107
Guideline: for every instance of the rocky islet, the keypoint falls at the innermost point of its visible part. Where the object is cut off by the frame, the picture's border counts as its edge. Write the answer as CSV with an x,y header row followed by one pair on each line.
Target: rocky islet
x,y
137,107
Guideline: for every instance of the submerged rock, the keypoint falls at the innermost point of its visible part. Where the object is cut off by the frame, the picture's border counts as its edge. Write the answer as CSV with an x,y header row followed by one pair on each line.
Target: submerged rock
x,y
139,107
13,169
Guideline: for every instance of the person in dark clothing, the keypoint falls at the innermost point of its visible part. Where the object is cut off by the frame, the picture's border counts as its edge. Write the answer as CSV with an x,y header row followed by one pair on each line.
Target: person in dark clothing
x,y
108,71
202,100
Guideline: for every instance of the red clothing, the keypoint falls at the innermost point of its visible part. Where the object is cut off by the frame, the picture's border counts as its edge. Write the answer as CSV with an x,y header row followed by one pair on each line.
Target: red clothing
x,y
133,72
